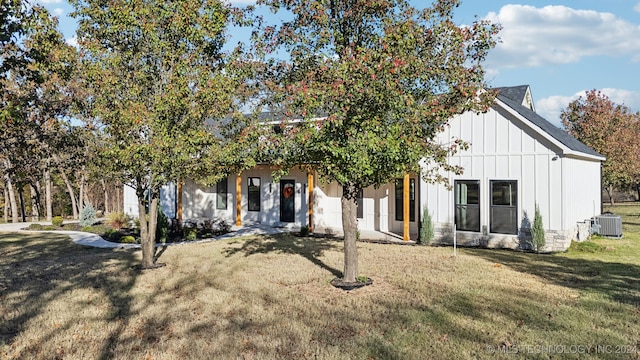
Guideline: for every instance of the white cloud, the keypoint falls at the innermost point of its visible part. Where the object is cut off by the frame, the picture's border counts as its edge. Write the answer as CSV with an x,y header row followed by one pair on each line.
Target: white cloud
x,y
72,41
558,35
551,107
58,11
637,7
46,2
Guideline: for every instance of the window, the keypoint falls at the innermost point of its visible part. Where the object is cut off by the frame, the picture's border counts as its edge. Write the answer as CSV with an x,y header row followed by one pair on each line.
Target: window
x,y
221,194
253,194
467,198
360,208
504,207
400,200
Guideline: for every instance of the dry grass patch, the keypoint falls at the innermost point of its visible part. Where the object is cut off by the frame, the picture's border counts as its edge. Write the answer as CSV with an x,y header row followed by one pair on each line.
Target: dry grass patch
x,y
269,297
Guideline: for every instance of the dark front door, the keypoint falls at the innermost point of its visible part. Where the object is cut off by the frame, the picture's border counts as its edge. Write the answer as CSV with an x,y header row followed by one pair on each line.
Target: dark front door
x,y
287,200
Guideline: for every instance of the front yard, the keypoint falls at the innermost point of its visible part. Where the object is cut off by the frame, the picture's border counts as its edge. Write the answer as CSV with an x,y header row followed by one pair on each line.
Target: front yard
x,y
270,297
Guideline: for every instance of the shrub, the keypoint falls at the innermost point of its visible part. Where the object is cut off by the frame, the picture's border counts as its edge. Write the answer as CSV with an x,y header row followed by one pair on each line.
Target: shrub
x,y
87,216
190,233
162,227
35,227
88,229
57,221
537,232
118,220
50,227
304,231
128,239
426,231
115,236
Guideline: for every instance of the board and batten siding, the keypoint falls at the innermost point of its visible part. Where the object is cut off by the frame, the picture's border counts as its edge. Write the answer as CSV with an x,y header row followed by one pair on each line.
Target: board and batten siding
x,y
502,147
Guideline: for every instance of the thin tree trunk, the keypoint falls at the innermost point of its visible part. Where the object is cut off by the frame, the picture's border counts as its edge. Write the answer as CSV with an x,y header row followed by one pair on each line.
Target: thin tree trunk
x,y
350,229
23,213
35,204
12,194
6,203
610,193
81,193
72,195
106,196
47,193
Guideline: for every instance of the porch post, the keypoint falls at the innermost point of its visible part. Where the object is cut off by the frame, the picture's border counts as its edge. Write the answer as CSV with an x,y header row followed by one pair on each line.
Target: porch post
x,y
405,208
310,192
239,200
179,204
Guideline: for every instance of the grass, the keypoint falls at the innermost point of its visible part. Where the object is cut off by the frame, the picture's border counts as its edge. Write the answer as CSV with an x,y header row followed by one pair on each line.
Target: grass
x,y
269,297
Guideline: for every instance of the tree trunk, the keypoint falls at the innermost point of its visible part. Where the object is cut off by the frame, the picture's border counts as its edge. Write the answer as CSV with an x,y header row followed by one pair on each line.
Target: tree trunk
x,y
610,193
35,204
106,196
23,213
12,194
350,229
147,229
6,204
81,193
72,194
47,193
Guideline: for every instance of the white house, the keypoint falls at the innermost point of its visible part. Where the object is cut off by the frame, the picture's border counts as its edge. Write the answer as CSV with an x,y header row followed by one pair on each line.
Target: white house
x,y
516,160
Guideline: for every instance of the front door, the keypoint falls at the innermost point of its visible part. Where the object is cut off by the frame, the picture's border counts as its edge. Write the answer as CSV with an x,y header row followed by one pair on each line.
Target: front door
x,y
287,200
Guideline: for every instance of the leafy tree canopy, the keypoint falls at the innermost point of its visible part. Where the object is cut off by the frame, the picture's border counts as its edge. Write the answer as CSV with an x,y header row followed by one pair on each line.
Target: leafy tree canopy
x,y
610,129
385,76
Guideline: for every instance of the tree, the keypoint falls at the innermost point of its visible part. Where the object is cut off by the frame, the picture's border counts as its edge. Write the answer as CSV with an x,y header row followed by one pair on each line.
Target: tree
x,y
159,85
611,130
35,92
387,76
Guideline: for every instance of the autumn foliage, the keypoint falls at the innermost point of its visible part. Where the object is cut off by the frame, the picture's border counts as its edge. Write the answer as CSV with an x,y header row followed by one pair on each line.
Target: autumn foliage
x,y
610,129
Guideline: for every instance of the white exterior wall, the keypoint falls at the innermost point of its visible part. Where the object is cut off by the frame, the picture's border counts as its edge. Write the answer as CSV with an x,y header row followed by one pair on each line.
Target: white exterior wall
x,y
503,148
200,201
378,208
167,200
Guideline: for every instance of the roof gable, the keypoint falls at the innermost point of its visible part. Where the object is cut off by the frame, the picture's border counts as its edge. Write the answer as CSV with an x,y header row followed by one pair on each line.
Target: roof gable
x,y
549,130
521,94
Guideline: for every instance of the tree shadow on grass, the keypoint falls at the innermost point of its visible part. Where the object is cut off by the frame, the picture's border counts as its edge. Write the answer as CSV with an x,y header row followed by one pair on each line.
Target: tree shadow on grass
x,y
619,282
40,271
310,248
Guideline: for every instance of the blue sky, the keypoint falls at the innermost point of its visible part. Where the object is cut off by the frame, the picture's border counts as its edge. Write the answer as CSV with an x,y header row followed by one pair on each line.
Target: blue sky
x,y
560,48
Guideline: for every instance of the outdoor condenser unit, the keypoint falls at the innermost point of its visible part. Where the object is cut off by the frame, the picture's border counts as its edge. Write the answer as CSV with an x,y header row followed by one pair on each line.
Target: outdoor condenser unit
x,y
610,225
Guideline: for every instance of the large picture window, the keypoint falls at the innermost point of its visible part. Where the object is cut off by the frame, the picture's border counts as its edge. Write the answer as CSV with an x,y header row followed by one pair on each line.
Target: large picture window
x,y
504,207
221,194
467,199
253,194
400,200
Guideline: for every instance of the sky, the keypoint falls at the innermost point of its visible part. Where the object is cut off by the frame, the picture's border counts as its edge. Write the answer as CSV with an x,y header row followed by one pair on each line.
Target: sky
x,y
560,48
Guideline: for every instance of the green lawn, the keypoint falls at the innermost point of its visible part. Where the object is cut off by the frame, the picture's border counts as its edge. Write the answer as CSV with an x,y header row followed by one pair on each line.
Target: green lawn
x,y
269,297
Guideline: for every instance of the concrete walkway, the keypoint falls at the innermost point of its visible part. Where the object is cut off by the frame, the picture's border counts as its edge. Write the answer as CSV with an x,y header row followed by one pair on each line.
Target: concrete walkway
x,y
94,240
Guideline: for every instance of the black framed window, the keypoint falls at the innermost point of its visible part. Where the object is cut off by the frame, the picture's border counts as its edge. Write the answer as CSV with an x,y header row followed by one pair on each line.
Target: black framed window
x,y
253,194
400,200
360,207
221,194
504,207
467,204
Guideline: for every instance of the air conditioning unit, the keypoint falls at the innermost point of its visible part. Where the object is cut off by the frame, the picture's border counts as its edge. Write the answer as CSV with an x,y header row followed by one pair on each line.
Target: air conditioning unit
x,y
610,225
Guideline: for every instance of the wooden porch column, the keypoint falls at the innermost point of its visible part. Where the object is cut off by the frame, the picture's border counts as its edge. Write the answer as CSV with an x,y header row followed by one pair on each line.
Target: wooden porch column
x,y
405,208
310,192
179,204
239,200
